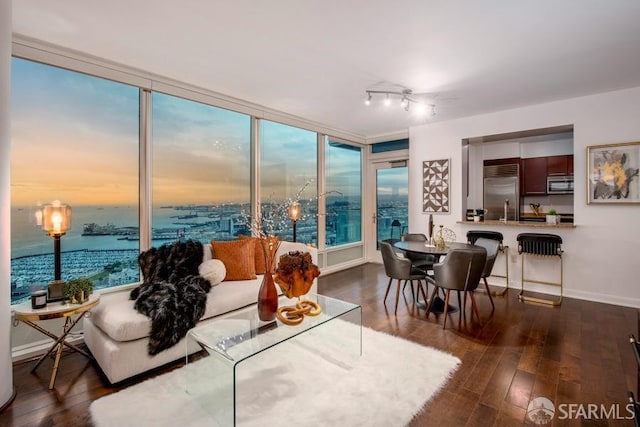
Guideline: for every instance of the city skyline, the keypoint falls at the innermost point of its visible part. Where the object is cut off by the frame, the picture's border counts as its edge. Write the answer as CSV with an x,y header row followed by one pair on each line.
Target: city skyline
x,y
110,258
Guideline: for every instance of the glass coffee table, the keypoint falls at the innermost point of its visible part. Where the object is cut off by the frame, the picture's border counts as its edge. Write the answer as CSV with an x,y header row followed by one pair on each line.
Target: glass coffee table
x,y
233,341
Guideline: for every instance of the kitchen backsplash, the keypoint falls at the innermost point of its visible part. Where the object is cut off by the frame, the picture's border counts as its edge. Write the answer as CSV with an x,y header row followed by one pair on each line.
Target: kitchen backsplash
x,y
562,203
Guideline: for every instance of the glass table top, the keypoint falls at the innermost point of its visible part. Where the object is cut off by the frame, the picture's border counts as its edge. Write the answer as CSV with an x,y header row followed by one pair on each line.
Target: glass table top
x,y
241,334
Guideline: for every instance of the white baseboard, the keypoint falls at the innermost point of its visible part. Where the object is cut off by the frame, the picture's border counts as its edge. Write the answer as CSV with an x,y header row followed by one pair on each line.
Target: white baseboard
x,y
574,293
602,298
343,266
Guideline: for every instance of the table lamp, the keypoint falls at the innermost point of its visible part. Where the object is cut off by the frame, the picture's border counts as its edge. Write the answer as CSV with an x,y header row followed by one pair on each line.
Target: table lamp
x,y
56,221
295,210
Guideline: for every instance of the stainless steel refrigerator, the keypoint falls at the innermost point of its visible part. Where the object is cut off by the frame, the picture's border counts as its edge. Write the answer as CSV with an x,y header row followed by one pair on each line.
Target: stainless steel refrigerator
x,y
500,185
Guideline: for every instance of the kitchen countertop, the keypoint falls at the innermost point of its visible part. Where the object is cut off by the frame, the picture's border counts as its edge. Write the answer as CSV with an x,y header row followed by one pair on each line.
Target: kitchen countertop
x,y
519,224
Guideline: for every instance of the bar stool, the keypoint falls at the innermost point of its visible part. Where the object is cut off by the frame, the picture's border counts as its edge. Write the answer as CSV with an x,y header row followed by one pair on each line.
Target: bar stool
x,y
473,235
539,245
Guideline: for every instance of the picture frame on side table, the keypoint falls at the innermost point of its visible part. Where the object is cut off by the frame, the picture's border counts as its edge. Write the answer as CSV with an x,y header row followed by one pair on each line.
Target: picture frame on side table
x,y
612,174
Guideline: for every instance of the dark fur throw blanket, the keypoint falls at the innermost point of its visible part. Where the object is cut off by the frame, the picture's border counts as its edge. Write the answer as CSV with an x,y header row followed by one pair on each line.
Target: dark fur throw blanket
x,y
172,292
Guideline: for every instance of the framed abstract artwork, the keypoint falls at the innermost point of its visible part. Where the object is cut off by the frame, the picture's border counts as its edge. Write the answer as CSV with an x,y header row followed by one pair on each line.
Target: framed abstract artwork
x,y
435,184
612,173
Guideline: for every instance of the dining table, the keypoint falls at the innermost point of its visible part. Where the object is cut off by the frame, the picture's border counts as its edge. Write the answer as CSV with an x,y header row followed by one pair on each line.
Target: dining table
x,y
426,248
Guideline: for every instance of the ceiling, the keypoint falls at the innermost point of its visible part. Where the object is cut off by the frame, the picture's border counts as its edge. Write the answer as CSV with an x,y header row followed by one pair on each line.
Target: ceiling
x,y
316,58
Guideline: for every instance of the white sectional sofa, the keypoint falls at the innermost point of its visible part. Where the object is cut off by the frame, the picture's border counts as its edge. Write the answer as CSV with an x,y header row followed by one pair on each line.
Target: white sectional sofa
x,y
117,335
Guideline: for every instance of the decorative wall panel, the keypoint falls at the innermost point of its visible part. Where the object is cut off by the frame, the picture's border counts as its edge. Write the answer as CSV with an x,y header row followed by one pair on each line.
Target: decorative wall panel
x,y
435,183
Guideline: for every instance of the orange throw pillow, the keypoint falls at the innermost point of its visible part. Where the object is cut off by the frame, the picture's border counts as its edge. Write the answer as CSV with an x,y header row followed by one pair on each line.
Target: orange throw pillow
x,y
259,252
238,257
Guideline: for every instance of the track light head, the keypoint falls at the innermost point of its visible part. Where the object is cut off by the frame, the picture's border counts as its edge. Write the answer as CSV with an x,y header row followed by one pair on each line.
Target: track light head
x,y
406,99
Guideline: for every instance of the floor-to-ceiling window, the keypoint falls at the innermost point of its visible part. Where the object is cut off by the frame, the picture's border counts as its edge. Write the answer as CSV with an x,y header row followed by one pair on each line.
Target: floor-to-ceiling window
x,y
74,139
201,170
343,201
288,171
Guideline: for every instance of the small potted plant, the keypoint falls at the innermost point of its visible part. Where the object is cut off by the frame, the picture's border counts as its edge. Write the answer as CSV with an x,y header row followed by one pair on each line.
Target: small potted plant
x,y
78,290
552,217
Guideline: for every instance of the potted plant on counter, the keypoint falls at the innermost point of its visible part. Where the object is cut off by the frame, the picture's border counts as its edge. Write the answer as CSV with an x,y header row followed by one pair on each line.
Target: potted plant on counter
x,y
552,217
78,290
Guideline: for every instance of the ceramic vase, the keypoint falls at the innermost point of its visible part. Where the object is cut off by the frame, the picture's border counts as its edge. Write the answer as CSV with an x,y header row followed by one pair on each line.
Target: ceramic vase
x,y
268,294
267,298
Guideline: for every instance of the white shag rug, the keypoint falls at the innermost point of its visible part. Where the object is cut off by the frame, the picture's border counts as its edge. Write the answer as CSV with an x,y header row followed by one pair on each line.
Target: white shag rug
x,y
296,383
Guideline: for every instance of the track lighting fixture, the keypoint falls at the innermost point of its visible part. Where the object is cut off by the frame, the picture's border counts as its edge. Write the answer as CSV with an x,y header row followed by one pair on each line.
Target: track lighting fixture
x,y
406,99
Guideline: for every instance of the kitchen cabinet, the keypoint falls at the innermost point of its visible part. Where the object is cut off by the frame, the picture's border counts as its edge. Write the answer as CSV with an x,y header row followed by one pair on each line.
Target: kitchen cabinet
x,y
534,176
570,164
508,161
560,165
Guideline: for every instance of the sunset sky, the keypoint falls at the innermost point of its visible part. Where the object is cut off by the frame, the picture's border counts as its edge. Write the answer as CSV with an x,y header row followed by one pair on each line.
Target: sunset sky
x,y
75,139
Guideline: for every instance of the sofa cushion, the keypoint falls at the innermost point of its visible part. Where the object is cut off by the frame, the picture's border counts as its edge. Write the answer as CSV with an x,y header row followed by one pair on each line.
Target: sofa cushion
x,y
261,261
213,270
259,253
117,318
238,257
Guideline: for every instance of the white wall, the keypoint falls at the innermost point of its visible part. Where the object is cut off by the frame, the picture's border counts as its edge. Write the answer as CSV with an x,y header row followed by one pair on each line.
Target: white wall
x,y
601,260
6,369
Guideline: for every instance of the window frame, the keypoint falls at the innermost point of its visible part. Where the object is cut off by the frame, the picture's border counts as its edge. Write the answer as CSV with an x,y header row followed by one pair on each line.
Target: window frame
x,y
147,83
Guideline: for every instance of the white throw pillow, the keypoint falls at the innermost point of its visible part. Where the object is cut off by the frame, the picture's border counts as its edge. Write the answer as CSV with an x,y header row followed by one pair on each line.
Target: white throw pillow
x,y
213,270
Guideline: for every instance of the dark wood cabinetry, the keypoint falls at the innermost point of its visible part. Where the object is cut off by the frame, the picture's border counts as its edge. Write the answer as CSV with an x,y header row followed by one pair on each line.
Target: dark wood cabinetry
x,y
560,165
534,176
570,164
533,179
508,161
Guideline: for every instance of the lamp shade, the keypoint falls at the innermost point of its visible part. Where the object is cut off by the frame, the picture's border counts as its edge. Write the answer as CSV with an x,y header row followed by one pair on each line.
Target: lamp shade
x,y
56,218
295,211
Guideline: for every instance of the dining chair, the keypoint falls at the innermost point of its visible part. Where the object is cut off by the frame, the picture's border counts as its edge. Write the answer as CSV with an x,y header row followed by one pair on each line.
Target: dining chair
x,y
420,261
460,271
473,235
492,248
400,269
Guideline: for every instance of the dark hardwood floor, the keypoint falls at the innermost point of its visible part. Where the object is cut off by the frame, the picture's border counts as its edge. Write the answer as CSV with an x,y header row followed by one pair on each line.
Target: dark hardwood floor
x,y
578,353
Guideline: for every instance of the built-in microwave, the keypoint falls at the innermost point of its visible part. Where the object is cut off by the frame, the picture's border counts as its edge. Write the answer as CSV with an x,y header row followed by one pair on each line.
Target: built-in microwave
x,y
560,184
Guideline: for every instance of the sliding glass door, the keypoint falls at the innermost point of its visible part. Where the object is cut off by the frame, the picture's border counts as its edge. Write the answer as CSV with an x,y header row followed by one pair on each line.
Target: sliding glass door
x,y
391,201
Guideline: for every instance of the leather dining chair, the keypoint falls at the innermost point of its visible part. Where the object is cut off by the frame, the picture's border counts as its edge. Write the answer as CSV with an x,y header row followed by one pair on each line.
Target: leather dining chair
x,y
399,269
460,271
492,247
420,261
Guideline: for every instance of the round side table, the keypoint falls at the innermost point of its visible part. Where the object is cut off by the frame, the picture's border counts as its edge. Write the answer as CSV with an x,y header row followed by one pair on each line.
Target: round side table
x,y
25,314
